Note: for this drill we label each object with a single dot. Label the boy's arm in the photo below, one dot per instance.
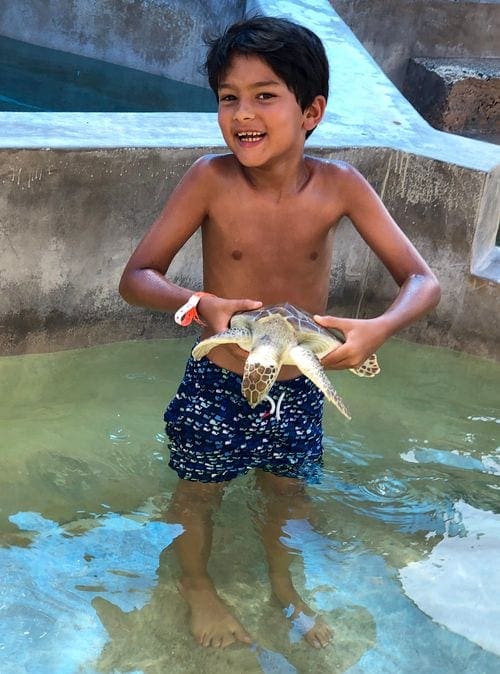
(143, 281)
(419, 290)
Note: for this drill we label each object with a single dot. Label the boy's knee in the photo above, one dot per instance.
(277, 485)
(199, 495)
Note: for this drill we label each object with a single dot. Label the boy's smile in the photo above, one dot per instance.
(260, 118)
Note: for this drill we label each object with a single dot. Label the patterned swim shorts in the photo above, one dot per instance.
(215, 435)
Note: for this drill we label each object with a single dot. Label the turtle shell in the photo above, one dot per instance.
(301, 321)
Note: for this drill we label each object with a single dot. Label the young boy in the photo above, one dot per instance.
(268, 214)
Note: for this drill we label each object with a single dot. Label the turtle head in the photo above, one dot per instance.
(271, 336)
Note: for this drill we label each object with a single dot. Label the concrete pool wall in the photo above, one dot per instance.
(161, 37)
(395, 30)
(78, 191)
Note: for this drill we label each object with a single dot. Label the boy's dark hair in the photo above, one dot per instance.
(294, 52)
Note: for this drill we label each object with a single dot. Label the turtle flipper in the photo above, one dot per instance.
(261, 370)
(308, 363)
(367, 369)
(240, 336)
(257, 382)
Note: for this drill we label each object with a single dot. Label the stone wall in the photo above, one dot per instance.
(457, 95)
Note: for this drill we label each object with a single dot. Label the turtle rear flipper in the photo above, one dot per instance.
(240, 336)
(308, 363)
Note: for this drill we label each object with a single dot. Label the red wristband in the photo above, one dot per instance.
(189, 311)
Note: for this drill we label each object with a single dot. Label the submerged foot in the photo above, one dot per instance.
(212, 623)
(304, 621)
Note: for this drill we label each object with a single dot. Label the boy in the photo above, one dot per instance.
(268, 214)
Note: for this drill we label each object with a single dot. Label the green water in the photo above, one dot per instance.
(403, 562)
(37, 79)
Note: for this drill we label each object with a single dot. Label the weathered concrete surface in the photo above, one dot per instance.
(71, 215)
(427, 200)
(395, 30)
(455, 95)
(162, 37)
(70, 219)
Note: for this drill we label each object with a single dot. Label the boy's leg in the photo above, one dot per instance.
(285, 499)
(192, 506)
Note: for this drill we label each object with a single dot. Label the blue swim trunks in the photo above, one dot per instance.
(214, 434)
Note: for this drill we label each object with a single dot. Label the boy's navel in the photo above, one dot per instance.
(313, 255)
(236, 254)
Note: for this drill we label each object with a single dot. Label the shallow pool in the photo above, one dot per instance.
(37, 79)
(403, 563)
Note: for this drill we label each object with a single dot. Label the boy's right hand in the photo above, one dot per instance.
(216, 312)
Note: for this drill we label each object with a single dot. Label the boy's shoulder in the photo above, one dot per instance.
(334, 175)
(208, 172)
(215, 164)
(330, 168)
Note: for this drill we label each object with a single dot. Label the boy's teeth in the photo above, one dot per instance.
(250, 135)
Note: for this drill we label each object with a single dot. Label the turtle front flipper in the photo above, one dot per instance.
(367, 369)
(240, 336)
(308, 363)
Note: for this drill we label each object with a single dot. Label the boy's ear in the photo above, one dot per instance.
(313, 114)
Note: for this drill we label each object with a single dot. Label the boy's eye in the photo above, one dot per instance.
(227, 98)
(264, 96)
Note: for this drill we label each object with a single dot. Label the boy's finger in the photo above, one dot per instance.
(247, 305)
(330, 321)
(335, 359)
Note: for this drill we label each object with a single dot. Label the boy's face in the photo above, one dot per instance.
(260, 118)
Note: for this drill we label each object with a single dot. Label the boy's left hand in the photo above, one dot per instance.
(362, 338)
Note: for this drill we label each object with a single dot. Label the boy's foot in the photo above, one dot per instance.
(302, 618)
(212, 624)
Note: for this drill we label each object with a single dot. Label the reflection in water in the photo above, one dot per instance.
(401, 560)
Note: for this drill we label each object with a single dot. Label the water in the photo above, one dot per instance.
(37, 79)
(403, 563)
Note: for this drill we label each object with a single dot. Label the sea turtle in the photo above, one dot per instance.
(278, 335)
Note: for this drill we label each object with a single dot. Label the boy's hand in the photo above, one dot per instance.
(362, 338)
(217, 312)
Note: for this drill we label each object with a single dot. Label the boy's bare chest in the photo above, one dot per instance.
(267, 231)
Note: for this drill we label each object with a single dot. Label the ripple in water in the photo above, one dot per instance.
(392, 500)
(141, 376)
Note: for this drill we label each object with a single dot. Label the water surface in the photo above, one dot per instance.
(403, 562)
(37, 79)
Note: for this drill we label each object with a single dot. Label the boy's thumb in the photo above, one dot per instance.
(249, 305)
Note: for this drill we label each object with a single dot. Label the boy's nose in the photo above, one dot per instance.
(243, 112)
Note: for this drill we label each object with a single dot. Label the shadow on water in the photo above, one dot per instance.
(401, 562)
